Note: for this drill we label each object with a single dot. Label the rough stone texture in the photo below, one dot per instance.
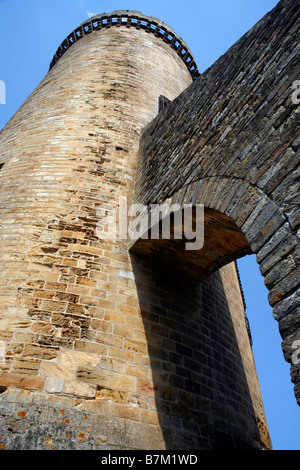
(231, 142)
(195, 388)
(105, 347)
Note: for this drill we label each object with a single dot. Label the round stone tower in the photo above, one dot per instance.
(101, 348)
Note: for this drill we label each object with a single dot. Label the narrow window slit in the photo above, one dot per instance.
(162, 103)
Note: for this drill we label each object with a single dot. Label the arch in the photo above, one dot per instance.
(241, 219)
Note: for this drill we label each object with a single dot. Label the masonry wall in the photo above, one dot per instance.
(100, 348)
(236, 141)
(190, 378)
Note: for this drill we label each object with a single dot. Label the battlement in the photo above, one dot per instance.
(129, 18)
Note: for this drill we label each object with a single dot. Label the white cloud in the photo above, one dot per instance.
(90, 14)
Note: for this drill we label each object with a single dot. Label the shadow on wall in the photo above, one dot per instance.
(199, 384)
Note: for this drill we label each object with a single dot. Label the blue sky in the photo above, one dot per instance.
(30, 33)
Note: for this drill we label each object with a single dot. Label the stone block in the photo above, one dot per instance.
(280, 244)
(19, 325)
(26, 366)
(123, 382)
(107, 394)
(54, 385)
(78, 357)
(99, 377)
(79, 389)
(91, 347)
(147, 387)
(135, 346)
(281, 290)
(289, 323)
(42, 352)
(151, 417)
(44, 328)
(286, 305)
(113, 364)
(124, 411)
(53, 369)
(21, 381)
(280, 270)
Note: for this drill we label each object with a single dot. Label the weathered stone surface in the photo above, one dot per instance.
(94, 376)
(21, 381)
(113, 395)
(289, 346)
(286, 305)
(237, 124)
(290, 322)
(53, 369)
(79, 389)
(42, 352)
(26, 366)
(67, 356)
(146, 348)
(54, 385)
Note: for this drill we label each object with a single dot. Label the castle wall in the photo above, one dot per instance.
(102, 349)
(240, 123)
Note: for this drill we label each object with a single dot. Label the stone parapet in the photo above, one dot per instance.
(128, 18)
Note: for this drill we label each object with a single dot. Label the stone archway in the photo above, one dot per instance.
(239, 219)
(231, 141)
